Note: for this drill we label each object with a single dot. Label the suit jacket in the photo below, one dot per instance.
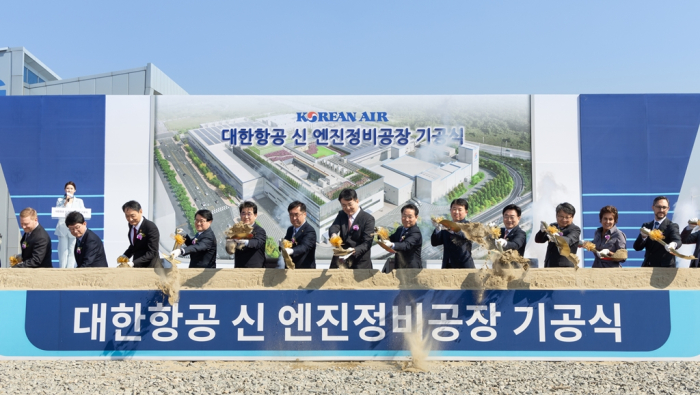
(144, 250)
(92, 251)
(408, 248)
(304, 255)
(37, 249)
(571, 233)
(253, 255)
(360, 239)
(655, 254)
(202, 252)
(616, 240)
(516, 240)
(61, 228)
(457, 248)
(692, 238)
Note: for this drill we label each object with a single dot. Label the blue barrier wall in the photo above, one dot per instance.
(48, 141)
(633, 148)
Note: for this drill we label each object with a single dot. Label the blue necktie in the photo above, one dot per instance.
(656, 225)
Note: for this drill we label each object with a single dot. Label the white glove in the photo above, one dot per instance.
(501, 242)
(693, 221)
(387, 243)
(349, 254)
(604, 252)
(543, 228)
(289, 251)
(644, 232)
(492, 224)
(670, 247)
(179, 231)
(333, 235)
(243, 242)
(580, 243)
(175, 253)
(440, 227)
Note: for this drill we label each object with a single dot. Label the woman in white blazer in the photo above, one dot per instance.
(66, 241)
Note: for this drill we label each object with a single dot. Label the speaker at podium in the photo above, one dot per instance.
(66, 242)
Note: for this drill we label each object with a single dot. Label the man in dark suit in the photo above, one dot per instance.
(143, 237)
(201, 248)
(656, 255)
(303, 237)
(251, 252)
(457, 248)
(512, 237)
(690, 237)
(407, 240)
(89, 250)
(356, 228)
(570, 232)
(36, 243)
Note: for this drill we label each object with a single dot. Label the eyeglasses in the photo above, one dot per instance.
(662, 207)
(200, 221)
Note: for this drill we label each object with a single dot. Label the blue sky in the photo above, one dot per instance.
(372, 47)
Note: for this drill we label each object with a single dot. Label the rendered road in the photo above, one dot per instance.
(505, 151)
(200, 190)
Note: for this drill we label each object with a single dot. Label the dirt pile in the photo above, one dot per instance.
(468, 279)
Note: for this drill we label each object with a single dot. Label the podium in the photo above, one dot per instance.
(61, 212)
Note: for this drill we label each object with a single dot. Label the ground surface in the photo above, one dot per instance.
(213, 377)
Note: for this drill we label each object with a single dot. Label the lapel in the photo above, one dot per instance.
(141, 230)
(300, 232)
(79, 243)
(510, 234)
(357, 220)
(663, 225)
(398, 233)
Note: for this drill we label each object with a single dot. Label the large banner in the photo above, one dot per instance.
(214, 151)
(177, 154)
(318, 324)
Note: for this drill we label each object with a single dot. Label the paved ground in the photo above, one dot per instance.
(213, 377)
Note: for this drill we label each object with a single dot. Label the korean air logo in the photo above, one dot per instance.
(367, 116)
(2, 88)
(311, 116)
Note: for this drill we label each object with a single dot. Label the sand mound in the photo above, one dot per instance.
(471, 279)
